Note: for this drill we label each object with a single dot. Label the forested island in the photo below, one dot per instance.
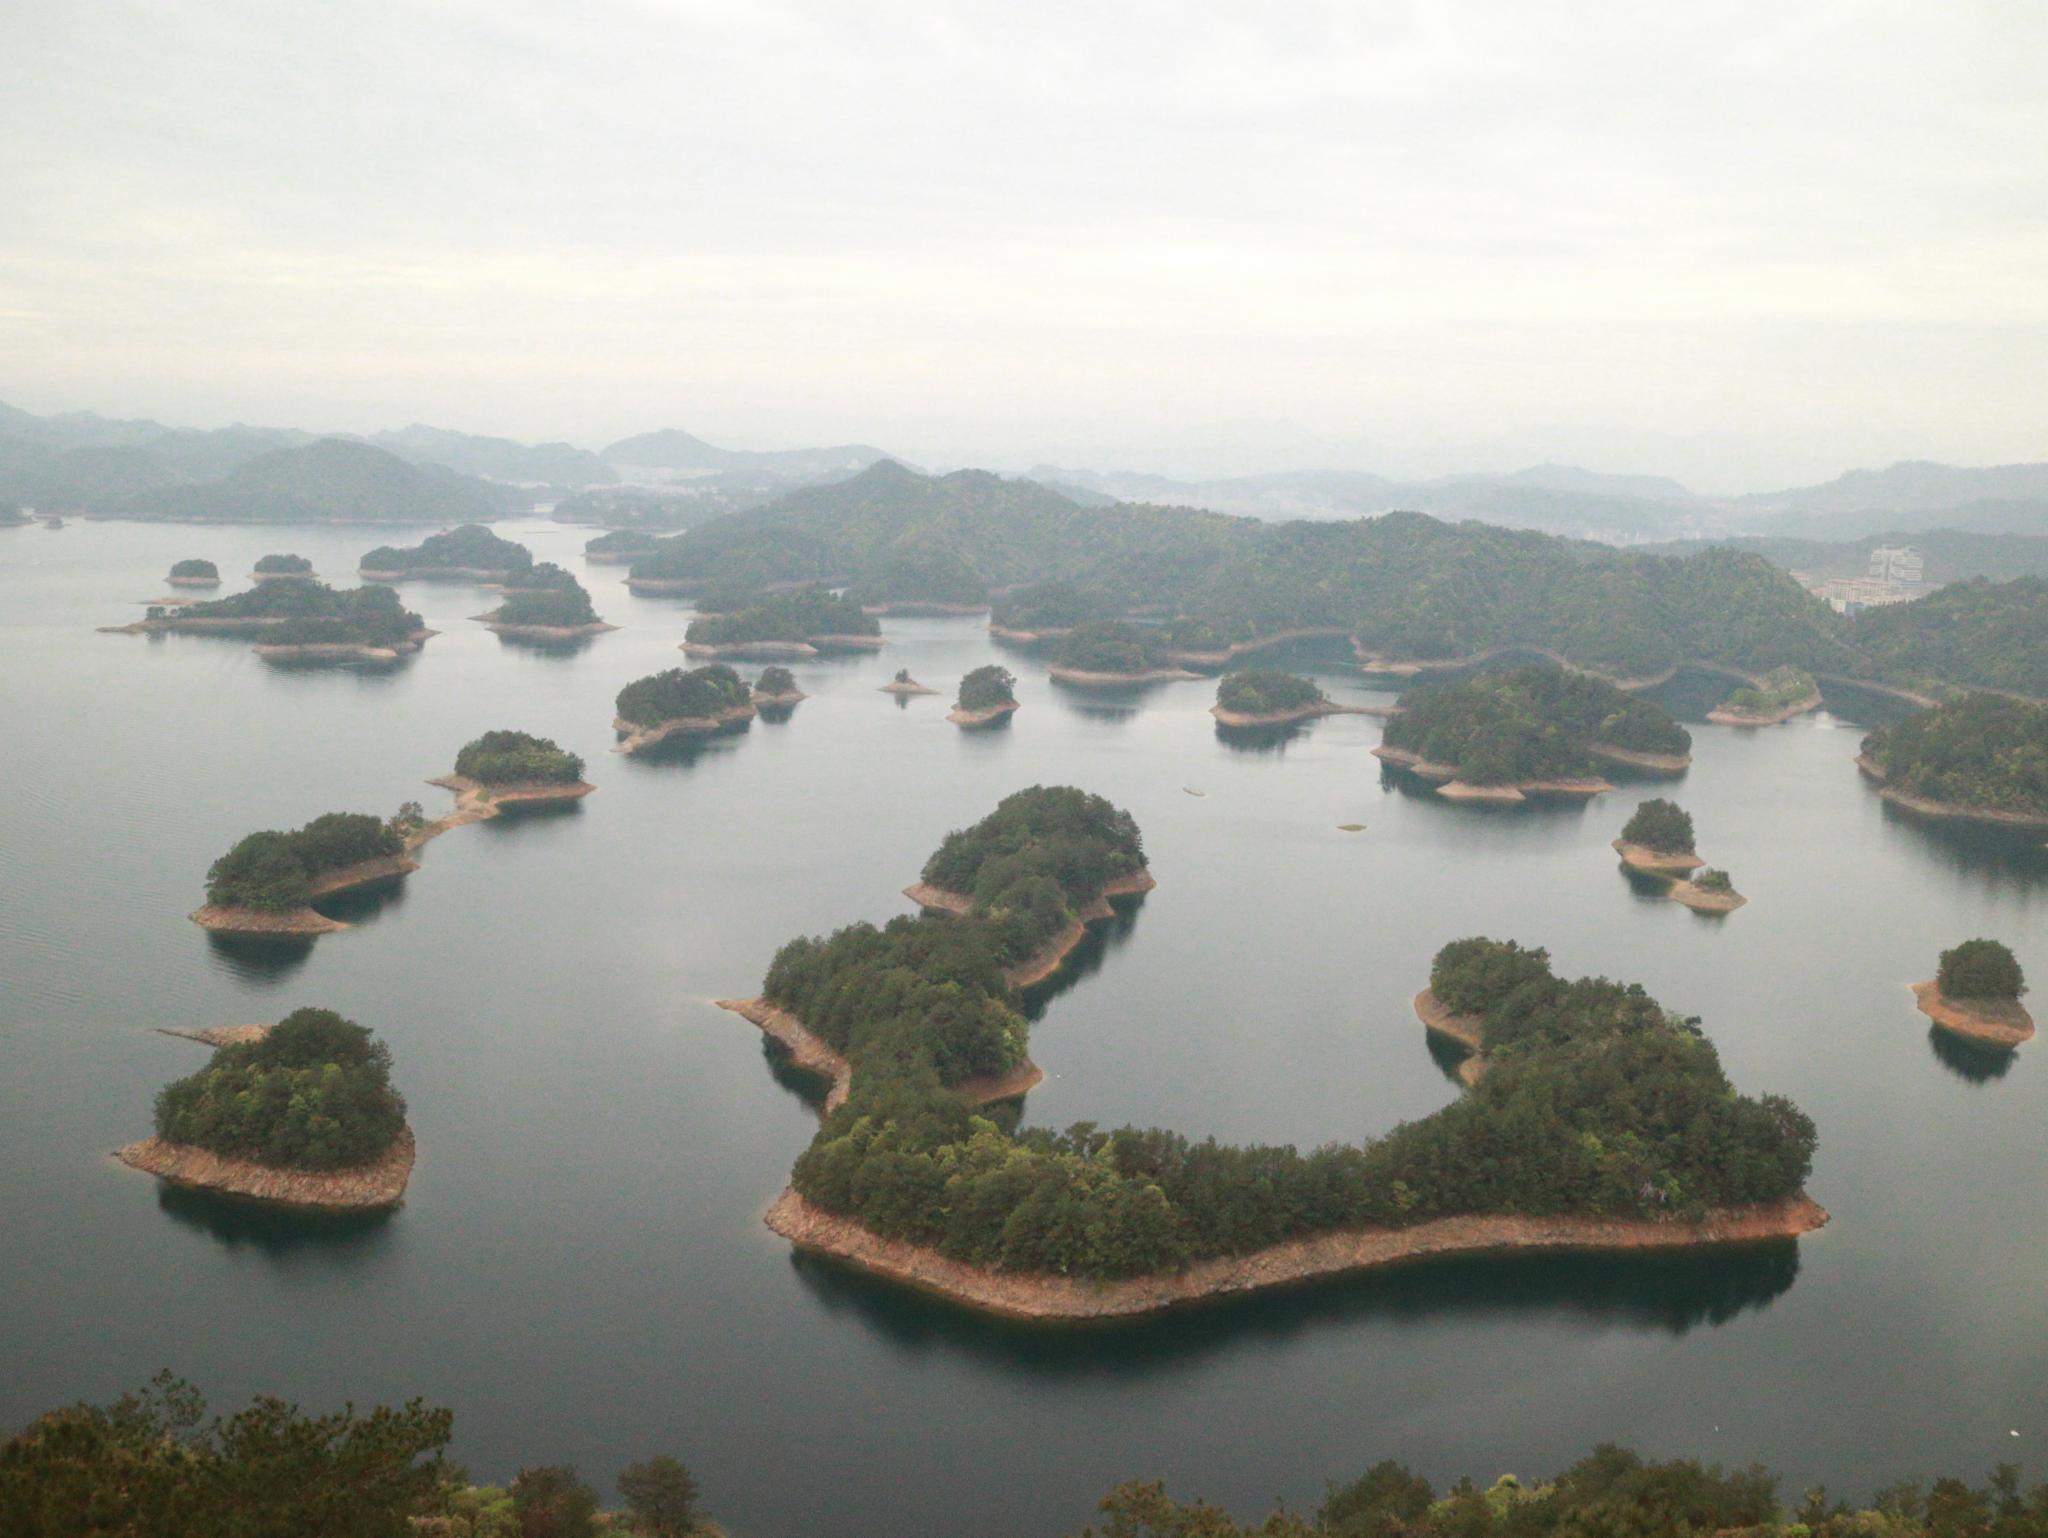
(266, 883)
(1658, 840)
(673, 701)
(1777, 696)
(1502, 736)
(987, 695)
(1112, 653)
(299, 620)
(1604, 1121)
(304, 1115)
(193, 572)
(1982, 759)
(620, 547)
(282, 568)
(794, 624)
(1975, 993)
(555, 608)
(471, 553)
(1711, 890)
(1258, 697)
(507, 771)
(776, 687)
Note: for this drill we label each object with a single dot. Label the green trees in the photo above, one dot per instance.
(674, 694)
(1713, 879)
(472, 547)
(799, 616)
(1780, 687)
(660, 1496)
(517, 758)
(775, 681)
(553, 1501)
(1660, 826)
(273, 872)
(314, 1093)
(988, 688)
(619, 543)
(1980, 969)
(920, 571)
(1474, 976)
(1985, 751)
(560, 604)
(538, 577)
(1109, 646)
(1262, 692)
(282, 565)
(1527, 724)
(313, 612)
(1982, 635)
(149, 1465)
(193, 567)
(1048, 606)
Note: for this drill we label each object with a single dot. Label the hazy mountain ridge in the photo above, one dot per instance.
(498, 459)
(673, 450)
(330, 480)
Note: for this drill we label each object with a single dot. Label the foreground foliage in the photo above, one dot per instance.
(1535, 723)
(314, 1093)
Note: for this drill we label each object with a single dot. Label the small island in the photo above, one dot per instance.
(1658, 840)
(904, 686)
(1776, 697)
(283, 568)
(1043, 611)
(987, 695)
(299, 1114)
(1264, 698)
(1978, 760)
(794, 624)
(266, 884)
(1975, 993)
(1710, 891)
(506, 771)
(298, 621)
(1111, 654)
(193, 572)
(620, 547)
(471, 553)
(776, 689)
(1532, 731)
(672, 702)
(556, 609)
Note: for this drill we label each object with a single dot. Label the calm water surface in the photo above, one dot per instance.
(579, 1268)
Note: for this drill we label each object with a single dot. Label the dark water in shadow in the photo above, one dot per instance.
(579, 1268)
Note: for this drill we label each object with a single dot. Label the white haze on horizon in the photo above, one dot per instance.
(1745, 244)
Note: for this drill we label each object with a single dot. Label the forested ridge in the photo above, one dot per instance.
(1598, 1100)
(1408, 586)
(470, 547)
(799, 616)
(1986, 751)
(1536, 723)
(311, 612)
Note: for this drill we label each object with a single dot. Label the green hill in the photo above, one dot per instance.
(331, 481)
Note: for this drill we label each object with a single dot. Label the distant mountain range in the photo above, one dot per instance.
(673, 454)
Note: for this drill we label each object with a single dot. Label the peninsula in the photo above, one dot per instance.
(1110, 654)
(1527, 732)
(1634, 1139)
(1044, 611)
(798, 624)
(471, 553)
(1257, 698)
(1977, 760)
(672, 702)
(193, 572)
(1775, 698)
(987, 695)
(299, 1114)
(1975, 994)
(506, 771)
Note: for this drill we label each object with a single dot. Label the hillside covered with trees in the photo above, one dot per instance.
(676, 694)
(803, 616)
(468, 550)
(1537, 723)
(274, 872)
(1985, 751)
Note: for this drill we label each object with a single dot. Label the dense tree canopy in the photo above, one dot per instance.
(1661, 826)
(775, 679)
(988, 687)
(1110, 646)
(675, 694)
(803, 615)
(633, 542)
(273, 872)
(1984, 751)
(1979, 635)
(919, 572)
(313, 612)
(470, 547)
(1263, 692)
(517, 758)
(314, 1093)
(1772, 692)
(1980, 969)
(1048, 606)
(1527, 724)
(560, 606)
(542, 575)
(282, 565)
(192, 566)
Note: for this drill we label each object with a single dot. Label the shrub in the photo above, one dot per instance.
(1713, 879)
(775, 680)
(987, 688)
(1980, 969)
(1660, 826)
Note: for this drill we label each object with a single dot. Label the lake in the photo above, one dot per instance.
(579, 1268)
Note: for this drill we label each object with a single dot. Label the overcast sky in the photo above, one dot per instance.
(1745, 244)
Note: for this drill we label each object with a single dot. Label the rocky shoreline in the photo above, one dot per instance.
(1721, 715)
(258, 923)
(545, 632)
(1240, 720)
(1037, 968)
(987, 716)
(1062, 1299)
(436, 574)
(813, 1055)
(365, 1188)
(1084, 678)
(906, 687)
(1467, 1031)
(1992, 1023)
(1700, 900)
(932, 607)
(1946, 811)
(1649, 763)
(1652, 862)
(1447, 784)
(638, 739)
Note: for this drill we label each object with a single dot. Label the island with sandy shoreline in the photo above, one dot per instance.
(470, 553)
(193, 572)
(776, 689)
(556, 608)
(679, 702)
(802, 623)
(1975, 994)
(987, 697)
(1771, 700)
(265, 885)
(1112, 654)
(298, 621)
(1091, 1225)
(254, 1125)
(1257, 699)
(904, 686)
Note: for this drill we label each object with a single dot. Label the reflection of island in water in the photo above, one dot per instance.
(1967, 1059)
(260, 959)
(1259, 739)
(275, 1229)
(1671, 1291)
(686, 748)
(2010, 856)
(1101, 936)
